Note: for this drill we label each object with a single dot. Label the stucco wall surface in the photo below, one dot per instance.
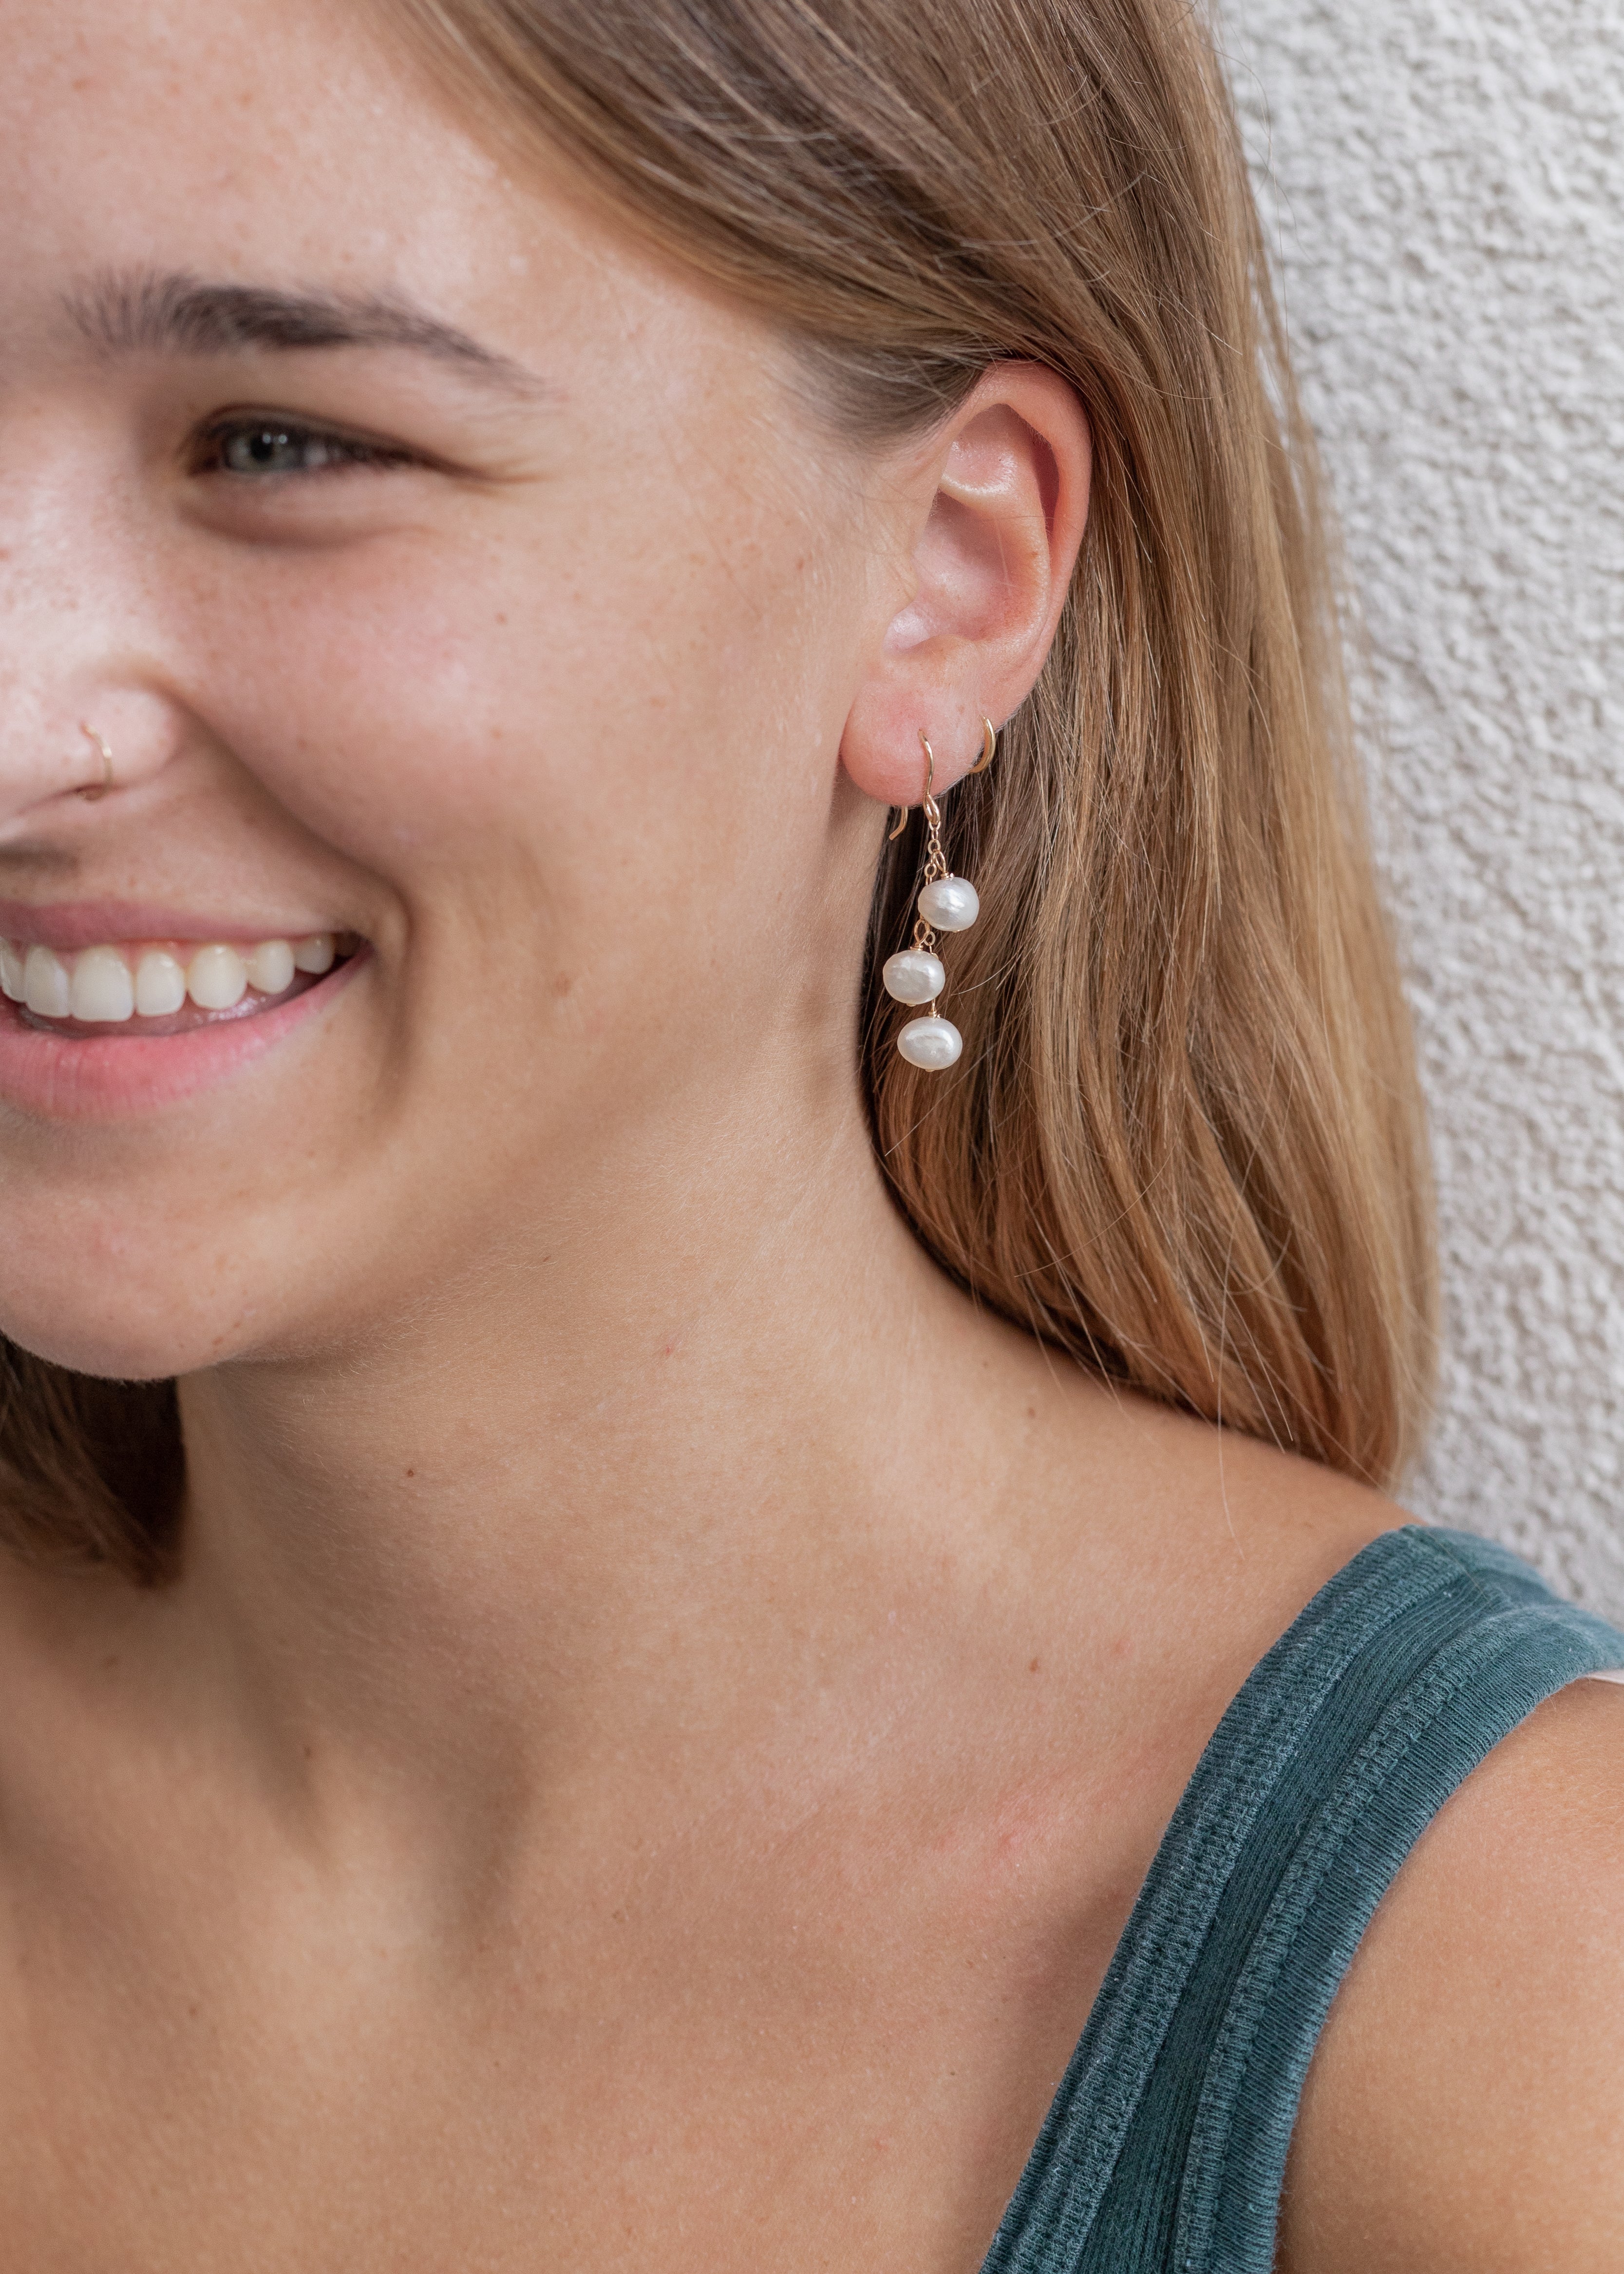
(1443, 181)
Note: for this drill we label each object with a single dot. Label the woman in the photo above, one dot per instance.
(615, 1584)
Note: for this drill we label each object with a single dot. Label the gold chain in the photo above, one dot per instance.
(936, 868)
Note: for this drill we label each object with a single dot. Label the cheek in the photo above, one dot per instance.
(385, 696)
(594, 708)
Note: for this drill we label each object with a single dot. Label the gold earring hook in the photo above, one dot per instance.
(989, 743)
(93, 790)
(928, 800)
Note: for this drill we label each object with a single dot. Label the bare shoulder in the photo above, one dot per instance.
(1208, 1542)
(1465, 2107)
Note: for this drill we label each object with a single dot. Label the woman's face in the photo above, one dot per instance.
(441, 574)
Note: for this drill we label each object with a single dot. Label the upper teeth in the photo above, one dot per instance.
(111, 983)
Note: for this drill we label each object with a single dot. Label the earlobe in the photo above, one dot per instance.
(989, 743)
(998, 504)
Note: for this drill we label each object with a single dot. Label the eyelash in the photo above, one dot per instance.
(321, 451)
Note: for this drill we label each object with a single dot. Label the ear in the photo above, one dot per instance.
(993, 512)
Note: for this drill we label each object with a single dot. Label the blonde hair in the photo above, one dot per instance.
(1185, 1143)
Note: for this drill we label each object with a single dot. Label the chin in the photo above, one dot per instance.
(128, 1306)
(116, 1342)
(185, 1261)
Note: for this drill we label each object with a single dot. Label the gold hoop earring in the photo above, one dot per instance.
(916, 975)
(93, 790)
(989, 743)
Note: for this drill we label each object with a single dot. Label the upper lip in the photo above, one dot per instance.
(69, 925)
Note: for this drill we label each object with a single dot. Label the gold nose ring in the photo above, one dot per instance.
(98, 788)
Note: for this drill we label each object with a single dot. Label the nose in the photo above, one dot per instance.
(57, 762)
(84, 711)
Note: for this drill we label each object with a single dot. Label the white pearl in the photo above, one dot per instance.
(913, 976)
(932, 1043)
(950, 904)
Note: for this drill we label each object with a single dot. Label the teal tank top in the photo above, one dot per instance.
(1165, 2148)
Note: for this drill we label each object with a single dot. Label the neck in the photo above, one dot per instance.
(680, 1468)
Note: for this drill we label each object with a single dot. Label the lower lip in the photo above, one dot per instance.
(58, 1079)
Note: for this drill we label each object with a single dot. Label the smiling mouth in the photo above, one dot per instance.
(154, 987)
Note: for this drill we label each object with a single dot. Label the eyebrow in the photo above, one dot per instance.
(150, 311)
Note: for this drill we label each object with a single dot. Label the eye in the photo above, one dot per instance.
(259, 446)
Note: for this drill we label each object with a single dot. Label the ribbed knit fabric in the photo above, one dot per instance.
(1165, 2148)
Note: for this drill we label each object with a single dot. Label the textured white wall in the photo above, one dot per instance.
(1443, 181)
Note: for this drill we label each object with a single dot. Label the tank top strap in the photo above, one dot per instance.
(1165, 2147)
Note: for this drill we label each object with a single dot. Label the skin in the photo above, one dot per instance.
(667, 1707)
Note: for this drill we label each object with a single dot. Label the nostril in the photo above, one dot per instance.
(96, 738)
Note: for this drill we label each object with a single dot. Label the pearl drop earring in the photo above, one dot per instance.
(946, 903)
